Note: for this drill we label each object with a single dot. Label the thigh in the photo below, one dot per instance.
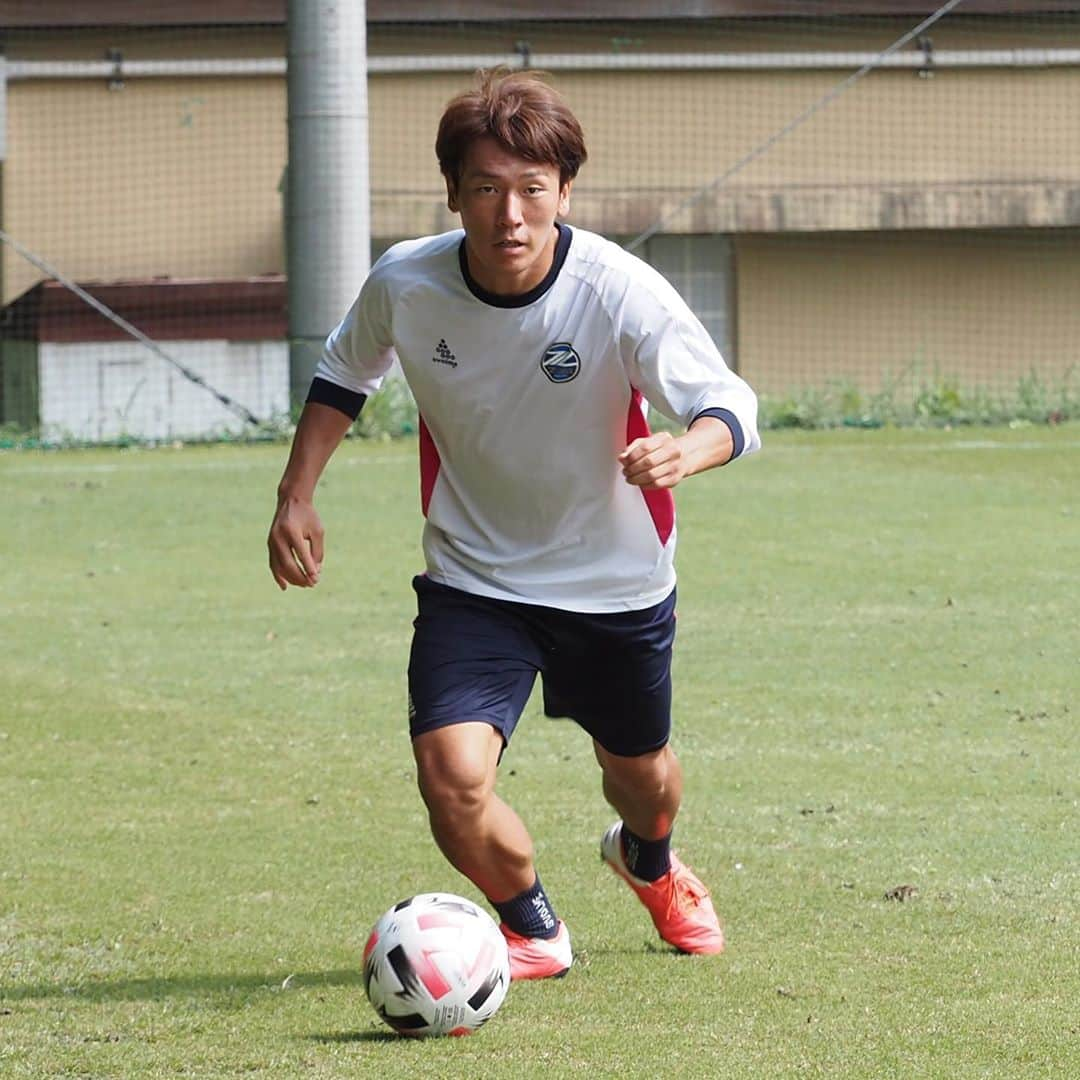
(612, 675)
(472, 659)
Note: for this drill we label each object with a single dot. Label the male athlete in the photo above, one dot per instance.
(531, 349)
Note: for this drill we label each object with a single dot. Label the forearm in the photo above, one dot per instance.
(318, 434)
(706, 444)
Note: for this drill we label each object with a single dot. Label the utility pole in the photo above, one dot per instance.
(327, 189)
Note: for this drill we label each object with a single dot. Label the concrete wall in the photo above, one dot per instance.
(901, 308)
(109, 390)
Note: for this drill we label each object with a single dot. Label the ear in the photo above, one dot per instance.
(564, 198)
(451, 195)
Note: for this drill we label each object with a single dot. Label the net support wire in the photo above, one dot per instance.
(234, 406)
(763, 148)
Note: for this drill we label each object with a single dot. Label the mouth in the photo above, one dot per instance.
(510, 245)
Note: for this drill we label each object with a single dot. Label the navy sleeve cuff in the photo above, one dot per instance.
(337, 397)
(732, 421)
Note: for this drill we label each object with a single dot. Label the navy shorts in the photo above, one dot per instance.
(476, 658)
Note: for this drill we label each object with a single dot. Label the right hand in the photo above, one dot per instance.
(296, 544)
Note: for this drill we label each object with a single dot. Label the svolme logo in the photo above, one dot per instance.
(443, 355)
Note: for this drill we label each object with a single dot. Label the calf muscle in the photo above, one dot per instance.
(479, 834)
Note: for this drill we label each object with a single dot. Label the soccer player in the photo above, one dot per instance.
(532, 349)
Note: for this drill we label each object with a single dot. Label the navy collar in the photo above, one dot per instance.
(562, 247)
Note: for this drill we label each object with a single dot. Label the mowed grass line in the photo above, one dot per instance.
(206, 793)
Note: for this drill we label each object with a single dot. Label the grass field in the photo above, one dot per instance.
(207, 797)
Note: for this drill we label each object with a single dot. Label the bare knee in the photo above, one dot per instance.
(455, 769)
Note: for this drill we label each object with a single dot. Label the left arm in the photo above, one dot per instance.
(663, 460)
(672, 363)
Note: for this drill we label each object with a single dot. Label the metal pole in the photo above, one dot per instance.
(327, 190)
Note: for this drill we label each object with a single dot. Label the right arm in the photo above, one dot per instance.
(358, 353)
(296, 533)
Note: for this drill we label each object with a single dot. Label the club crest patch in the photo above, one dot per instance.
(560, 363)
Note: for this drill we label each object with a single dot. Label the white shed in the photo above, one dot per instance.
(73, 375)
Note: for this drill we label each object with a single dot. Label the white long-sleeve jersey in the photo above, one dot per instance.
(525, 404)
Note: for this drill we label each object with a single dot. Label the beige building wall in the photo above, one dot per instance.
(905, 309)
(182, 177)
(165, 177)
(655, 138)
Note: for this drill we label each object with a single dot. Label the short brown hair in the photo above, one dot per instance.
(522, 113)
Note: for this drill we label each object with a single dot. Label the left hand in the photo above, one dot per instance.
(663, 460)
(655, 461)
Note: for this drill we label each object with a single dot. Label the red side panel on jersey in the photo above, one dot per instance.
(430, 463)
(661, 502)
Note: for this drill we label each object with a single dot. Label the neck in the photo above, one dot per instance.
(512, 284)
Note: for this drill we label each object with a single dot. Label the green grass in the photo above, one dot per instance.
(206, 785)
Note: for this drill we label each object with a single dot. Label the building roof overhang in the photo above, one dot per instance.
(15, 14)
(166, 309)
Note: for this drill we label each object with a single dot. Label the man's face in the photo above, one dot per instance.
(508, 207)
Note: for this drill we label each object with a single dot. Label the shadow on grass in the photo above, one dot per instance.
(358, 1037)
(151, 989)
(648, 948)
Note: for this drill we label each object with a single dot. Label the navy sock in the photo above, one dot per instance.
(646, 859)
(530, 913)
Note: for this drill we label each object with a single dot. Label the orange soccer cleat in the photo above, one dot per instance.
(538, 958)
(679, 904)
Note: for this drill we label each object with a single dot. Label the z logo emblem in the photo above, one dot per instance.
(560, 363)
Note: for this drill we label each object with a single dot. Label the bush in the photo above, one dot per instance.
(940, 401)
(927, 402)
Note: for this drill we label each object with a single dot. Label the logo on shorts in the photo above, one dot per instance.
(560, 363)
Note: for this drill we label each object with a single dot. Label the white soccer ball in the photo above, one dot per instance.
(436, 964)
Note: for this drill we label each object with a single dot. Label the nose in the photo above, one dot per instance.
(510, 209)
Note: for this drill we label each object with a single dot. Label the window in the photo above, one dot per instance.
(701, 268)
